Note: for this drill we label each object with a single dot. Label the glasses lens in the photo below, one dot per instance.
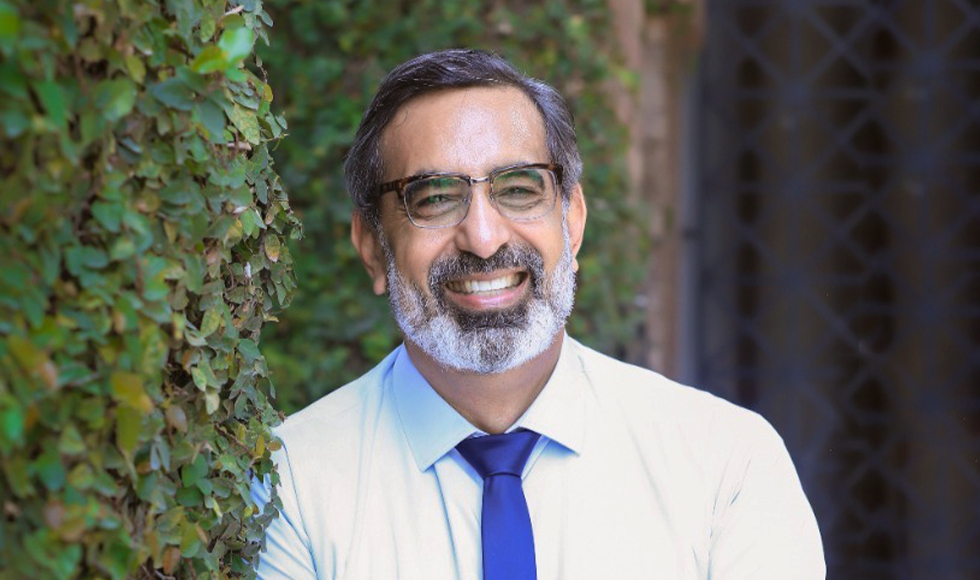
(525, 193)
(436, 201)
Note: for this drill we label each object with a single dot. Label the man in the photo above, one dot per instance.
(490, 444)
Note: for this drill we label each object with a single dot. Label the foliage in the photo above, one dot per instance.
(326, 61)
(143, 239)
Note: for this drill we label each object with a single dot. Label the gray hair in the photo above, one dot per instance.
(446, 69)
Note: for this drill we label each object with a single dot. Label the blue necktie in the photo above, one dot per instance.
(508, 544)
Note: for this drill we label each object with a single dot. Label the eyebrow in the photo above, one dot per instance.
(427, 171)
(433, 171)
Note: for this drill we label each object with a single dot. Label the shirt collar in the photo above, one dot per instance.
(559, 411)
(433, 427)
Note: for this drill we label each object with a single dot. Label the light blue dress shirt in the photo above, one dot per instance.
(634, 477)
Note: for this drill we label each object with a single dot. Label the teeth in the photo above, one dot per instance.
(473, 286)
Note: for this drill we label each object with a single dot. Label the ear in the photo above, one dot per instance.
(368, 247)
(575, 219)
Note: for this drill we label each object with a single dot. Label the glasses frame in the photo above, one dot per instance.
(398, 186)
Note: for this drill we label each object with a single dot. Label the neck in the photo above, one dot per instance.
(492, 403)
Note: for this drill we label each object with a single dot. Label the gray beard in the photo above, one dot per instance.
(484, 342)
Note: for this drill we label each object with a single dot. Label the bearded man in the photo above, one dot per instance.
(491, 444)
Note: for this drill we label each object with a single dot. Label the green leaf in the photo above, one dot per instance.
(108, 214)
(56, 560)
(15, 468)
(194, 338)
(236, 75)
(211, 401)
(81, 476)
(160, 455)
(51, 470)
(200, 380)
(190, 538)
(128, 424)
(14, 123)
(117, 560)
(135, 68)
(127, 389)
(79, 257)
(249, 350)
(192, 472)
(194, 272)
(246, 122)
(187, 15)
(212, 319)
(25, 353)
(272, 247)
(181, 192)
(188, 497)
(207, 27)
(262, 191)
(155, 270)
(237, 44)
(204, 366)
(71, 442)
(176, 417)
(234, 232)
(234, 20)
(52, 98)
(122, 249)
(212, 117)
(240, 197)
(206, 488)
(211, 59)
(12, 81)
(174, 93)
(9, 23)
(251, 222)
(11, 423)
(116, 98)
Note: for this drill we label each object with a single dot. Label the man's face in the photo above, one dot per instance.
(490, 293)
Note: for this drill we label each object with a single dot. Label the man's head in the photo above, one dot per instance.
(488, 285)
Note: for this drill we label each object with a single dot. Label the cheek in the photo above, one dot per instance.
(548, 239)
(416, 256)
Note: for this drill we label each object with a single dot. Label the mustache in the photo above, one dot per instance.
(465, 264)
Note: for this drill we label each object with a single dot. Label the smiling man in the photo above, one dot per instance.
(491, 444)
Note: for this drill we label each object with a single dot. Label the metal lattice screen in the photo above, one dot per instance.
(839, 263)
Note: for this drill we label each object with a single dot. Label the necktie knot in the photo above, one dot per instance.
(503, 454)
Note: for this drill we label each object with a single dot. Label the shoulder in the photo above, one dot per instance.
(644, 399)
(323, 424)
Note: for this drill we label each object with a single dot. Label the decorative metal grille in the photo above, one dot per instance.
(839, 263)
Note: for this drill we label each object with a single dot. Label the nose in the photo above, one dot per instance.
(484, 230)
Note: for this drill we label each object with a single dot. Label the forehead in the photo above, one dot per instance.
(471, 130)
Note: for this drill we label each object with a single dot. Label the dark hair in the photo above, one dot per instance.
(448, 69)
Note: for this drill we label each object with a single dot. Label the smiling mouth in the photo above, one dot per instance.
(486, 286)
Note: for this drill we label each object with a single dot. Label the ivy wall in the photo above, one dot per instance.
(143, 245)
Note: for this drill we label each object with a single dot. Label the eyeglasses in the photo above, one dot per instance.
(441, 200)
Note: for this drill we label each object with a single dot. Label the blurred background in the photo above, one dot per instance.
(784, 210)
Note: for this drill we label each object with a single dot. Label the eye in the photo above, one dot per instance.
(434, 199)
(520, 200)
(434, 196)
(524, 192)
(517, 191)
